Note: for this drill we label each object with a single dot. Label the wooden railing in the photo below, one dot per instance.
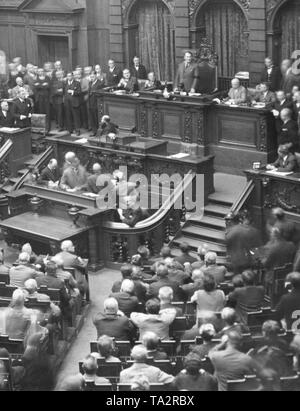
(4, 166)
(224, 83)
(121, 241)
(37, 166)
(243, 198)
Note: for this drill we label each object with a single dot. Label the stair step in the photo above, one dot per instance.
(215, 198)
(220, 249)
(8, 188)
(14, 180)
(217, 210)
(22, 171)
(33, 160)
(192, 230)
(208, 221)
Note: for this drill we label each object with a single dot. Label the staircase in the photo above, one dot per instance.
(11, 182)
(211, 228)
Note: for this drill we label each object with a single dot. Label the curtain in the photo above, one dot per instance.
(226, 28)
(290, 27)
(156, 38)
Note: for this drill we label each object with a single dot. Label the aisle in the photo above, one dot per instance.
(100, 285)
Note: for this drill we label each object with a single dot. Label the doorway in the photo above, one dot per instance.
(53, 48)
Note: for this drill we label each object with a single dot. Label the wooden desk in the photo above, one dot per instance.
(236, 136)
(51, 224)
(141, 163)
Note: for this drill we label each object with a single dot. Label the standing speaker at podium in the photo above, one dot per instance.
(187, 76)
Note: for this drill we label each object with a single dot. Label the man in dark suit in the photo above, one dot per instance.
(281, 103)
(286, 161)
(50, 173)
(265, 95)
(42, 87)
(22, 110)
(187, 76)
(106, 127)
(289, 130)
(113, 75)
(6, 116)
(57, 97)
(72, 95)
(128, 302)
(272, 75)
(112, 323)
(138, 70)
(164, 281)
(296, 108)
(94, 86)
(91, 185)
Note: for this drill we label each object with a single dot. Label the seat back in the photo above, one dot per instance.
(53, 294)
(4, 278)
(38, 123)
(6, 291)
(91, 386)
(153, 387)
(250, 383)
(13, 346)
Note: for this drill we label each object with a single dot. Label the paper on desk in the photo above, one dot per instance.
(8, 129)
(179, 155)
(81, 141)
(280, 173)
(91, 195)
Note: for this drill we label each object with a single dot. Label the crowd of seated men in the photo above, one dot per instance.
(40, 297)
(183, 322)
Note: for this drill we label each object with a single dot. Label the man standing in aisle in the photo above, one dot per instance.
(72, 104)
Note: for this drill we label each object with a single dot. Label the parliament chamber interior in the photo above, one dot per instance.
(149, 195)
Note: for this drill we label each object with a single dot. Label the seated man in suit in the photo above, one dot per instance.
(133, 213)
(286, 161)
(107, 126)
(6, 116)
(187, 77)
(127, 301)
(50, 173)
(22, 110)
(113, 323)
(152, 83)
(75, 177)
(265, 95)
(22, 272)
(91, 185)
(237, 94)
(138, 70)
(289, 131)
(128, 83)
(212, 268)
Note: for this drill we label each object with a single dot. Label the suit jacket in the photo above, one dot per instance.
(289, 81)
(286, 165)
(20, 274)
(296, 113)
(22, 108)
(113, 78)
(275, 78)
(74, 99)
(165, 282)
(56, 284)
(131, 86)
(42, 88)
(247, 299)
(140, 74)
(7, 121)
(57, 91)
(218, 272)
(269, 98)
(114, 326)
(238, 95)
(74, 179)
(49, 175)
(289, 133)
(279, 253)
(93, 88)
(127, 303)
(188, 77)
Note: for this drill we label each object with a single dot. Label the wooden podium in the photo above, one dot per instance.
(21, 151)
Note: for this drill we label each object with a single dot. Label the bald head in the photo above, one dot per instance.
(24, 258)
(67, 246)
(70, 157)
(286, 114)
(97, 168)
(18, 298)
